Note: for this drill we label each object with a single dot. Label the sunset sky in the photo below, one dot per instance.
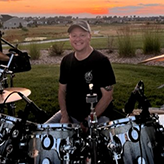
(90, 8)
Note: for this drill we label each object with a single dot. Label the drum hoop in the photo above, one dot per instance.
(8, 119)
(115, 123)
(60, 126)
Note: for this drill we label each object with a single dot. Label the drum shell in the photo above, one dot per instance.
(131, 150)
(59, 133)
(12, 147)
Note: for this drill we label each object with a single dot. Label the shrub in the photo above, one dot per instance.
(151, 41)
(24, 29)
(125, 42)
(57, 49)
(110, 44)
(34, 51)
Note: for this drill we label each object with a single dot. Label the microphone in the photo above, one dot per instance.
(30, 102)
(129, 106)
(39, 113)
(139, 89)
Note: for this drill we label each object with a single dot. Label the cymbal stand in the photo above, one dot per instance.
(4, 70)
(0, 41)
(92, 122)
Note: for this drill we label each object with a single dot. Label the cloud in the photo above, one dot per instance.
(124, 10)
(108, 1)
(140, 9)
(10, 0)
(151, 4)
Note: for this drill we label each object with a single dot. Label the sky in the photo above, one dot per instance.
(82, 8)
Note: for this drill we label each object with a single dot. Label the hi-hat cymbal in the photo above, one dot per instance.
(12, 94)
(156, 58)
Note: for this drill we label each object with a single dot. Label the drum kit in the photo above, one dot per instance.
(135, 139)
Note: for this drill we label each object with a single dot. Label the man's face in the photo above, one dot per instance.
(79, 39)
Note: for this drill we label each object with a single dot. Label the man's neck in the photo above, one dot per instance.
(81, 55)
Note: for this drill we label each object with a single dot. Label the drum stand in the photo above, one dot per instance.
(92, 122)
(93, 137)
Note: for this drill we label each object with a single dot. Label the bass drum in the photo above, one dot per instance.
(127, 142)
(54, 144)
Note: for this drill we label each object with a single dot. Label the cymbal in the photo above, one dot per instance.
(151, 110)
(156, 58)
(12, 94)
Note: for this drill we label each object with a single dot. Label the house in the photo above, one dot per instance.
(14, 23)
(4, 17)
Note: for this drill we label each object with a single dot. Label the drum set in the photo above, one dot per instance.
(136, 139)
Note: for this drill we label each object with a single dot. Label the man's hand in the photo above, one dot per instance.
(84, 126)
(65, 120)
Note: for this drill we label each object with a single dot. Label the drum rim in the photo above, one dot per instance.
(8, 118)
(57, 126)
(116, 122)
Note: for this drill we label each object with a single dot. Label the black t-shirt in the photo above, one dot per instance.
(95, 69)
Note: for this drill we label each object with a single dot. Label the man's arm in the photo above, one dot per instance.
(107, 97)
(62, 103)
(3, 57)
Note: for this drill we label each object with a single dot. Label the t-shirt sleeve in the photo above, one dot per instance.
(106, 73)
(63, 76)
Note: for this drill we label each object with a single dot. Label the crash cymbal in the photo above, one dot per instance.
(156, 58)
(151, 110)
(12, 94)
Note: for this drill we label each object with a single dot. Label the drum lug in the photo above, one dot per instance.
(47, 142)
(134, 134)
(46, 161)
(115, 147)
(15, 133)
(57, 147)
(9, 149)
(66, 149)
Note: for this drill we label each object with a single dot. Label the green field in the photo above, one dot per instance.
(102, 35)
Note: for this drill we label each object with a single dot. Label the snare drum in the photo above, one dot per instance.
(127, 141)
(52, 143)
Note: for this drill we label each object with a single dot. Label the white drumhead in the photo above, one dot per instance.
(161, 119)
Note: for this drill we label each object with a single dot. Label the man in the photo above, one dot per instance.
(78, 70)
(3, 57)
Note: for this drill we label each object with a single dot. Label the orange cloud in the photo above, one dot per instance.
(58, 7)
(96, 7)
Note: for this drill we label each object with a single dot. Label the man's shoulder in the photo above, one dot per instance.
(99, 55)
(68, 56)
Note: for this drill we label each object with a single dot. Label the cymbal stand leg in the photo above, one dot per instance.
(11, 109)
